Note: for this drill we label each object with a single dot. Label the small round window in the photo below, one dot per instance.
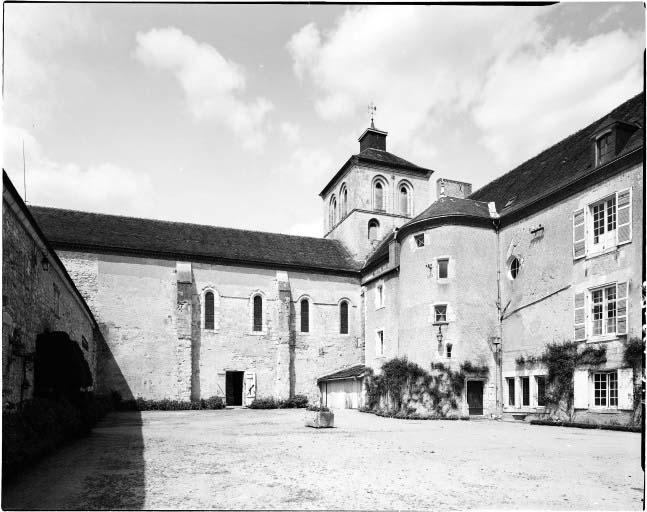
(515, 266)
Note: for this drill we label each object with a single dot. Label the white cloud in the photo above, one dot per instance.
(212, 84)
(290, 132)
(535, 99)
(492, 67)
(102, 188)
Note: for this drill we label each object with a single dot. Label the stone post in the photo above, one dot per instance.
(284, 376)
(183, 323)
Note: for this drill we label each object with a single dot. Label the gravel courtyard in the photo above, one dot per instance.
(240, 458)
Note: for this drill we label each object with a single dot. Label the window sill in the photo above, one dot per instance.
(442, 280)
(605, 338)
(258, 333)
(604, 410)
(440, 323)
(592, 255)
(379, 307)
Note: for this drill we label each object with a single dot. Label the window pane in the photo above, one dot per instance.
(305, 316)
(441, 313)
(598, 221)
(258, 313)
(420, 240)
(510, 390)
(600, 389)
(442, 268)
(343, 318)
(610, 293)
(541, 391)
(208, 311)
(613, 389)
(525, 390)
(596, 311)
(611, 214)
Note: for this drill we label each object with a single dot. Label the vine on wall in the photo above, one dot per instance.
(404, 388)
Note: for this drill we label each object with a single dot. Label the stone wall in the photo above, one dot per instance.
(154, 325)
(36, 298)
(539, 302)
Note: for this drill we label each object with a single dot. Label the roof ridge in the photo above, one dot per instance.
(172, 222)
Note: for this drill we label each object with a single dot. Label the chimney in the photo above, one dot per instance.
(372, 138)
(451, 188)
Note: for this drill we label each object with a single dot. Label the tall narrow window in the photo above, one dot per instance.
(305, 315)
(404, 201)
(379, 196)
(333, 212)
(510, 381)
(448, 349)
(258, 313)
(541, 390)
(379, 296)
(208, 311)
(379, 343)
(343, 317)
(344, 202)
(525, 390)
(373, 229)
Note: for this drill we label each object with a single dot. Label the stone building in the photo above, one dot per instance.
(38, 296)
(547, 253)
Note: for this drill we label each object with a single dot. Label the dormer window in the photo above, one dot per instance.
(603, 149)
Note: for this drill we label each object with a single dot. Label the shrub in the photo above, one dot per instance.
(296, 402)
(139, 404)
(212, 403)
(264, 403)
(634, 351)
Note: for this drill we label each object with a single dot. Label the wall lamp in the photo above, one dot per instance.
(439, 335)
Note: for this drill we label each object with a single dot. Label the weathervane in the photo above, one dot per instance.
(371, 112)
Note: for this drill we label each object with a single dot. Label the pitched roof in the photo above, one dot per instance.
(562, 163)
(112, 233)
(453, 207)
(381, 158)
(379, 251)
(347, 373)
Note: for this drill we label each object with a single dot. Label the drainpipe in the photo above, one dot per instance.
(498, 348)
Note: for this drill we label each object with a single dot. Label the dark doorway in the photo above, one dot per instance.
(475, 397)
(234, 385)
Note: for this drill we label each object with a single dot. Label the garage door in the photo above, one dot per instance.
(342, 394)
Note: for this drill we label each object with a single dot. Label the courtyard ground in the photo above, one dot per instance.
(238, 458)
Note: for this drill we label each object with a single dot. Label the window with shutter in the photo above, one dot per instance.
(624, 216)
(579, 237)
(581, 389)
(579, 321)
(621, 307)
(625, 388)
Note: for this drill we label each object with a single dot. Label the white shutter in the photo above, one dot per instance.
(579, 317)
(622, 307)
(623, 229)
(581, 389)
(579, 244)
(625, 388)
(249, 383)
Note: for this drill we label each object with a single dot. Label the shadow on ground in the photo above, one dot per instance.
(104, 470)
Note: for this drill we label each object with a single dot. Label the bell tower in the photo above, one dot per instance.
(372, 193)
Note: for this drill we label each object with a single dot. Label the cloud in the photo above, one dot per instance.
(290, 132)
(34, 37)
(429, 68)
(535, 99)
(307, 166)
(103, 187)
(213, 85)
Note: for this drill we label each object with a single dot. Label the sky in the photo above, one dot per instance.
(238, 115)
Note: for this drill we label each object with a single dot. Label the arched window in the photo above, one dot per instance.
(373, 229)
(344, 202)
(343, 317)
(404, 200)
(379, 196)
(305, 315)
(209, 311)
(258, 313)
(333, 212)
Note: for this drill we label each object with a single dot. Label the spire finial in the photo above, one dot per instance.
(371, 112)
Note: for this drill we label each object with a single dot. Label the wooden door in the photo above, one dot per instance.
(475, 397)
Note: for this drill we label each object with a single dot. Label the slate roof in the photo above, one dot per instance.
(347, 373)
(377, 157)
(453, 206)
(560, 164)
(75, 229)
(380, 251)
